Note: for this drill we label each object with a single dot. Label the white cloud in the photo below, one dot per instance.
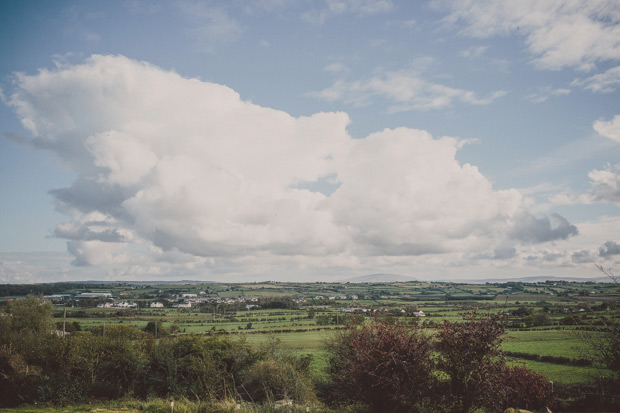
(605, 183)
(358, 7)
(178, 170)
(473, 52)
(605, 186)
(545, 93)
(558, 33)
(403, 193)
(605, 82)
(582, 257)
(609, 248)
(363, 7)
(528, 228)
(336, 68)
(608, 129)
(406, 89)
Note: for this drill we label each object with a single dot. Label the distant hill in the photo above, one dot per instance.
(379, 278)
(534, 279)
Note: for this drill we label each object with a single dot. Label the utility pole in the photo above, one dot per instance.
(64, 323)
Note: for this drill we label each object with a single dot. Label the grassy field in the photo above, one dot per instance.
(560, 343)
(553, 343)
(559, 373)
(312, 312)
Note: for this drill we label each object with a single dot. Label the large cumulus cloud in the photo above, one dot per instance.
(180, 169)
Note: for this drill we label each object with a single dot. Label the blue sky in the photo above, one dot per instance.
(308, 140)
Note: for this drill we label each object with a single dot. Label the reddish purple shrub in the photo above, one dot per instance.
(388, 367)
(526, 389)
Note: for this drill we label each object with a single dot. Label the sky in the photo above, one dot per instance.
(298, 140)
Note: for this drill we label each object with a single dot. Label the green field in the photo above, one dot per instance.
(546, 343)
(304, 315)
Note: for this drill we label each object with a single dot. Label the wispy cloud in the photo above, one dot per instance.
(606, 82)
(358, 7)
(473, 52)
(608, 129)
(405, 89)
(605, 186)
(544, 93)
(557, 33)
(336, 67)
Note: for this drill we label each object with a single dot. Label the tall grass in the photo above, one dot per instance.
(157, 405)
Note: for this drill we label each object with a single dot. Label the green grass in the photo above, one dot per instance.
(163, 406)
(560, 373)
(307, 340)
(561, 343)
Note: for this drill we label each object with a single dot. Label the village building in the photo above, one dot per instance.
(94, 295)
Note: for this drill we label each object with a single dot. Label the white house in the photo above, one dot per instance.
(183, 305)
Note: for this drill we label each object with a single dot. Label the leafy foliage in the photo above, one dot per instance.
(39, 365)
(397, 367)
(526, 388)
(470, 359)
(387, 366)
(604, 342)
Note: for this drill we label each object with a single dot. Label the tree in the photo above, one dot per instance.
(537, 319)
(277, 375)
(156, 328)
(387, 366)
(398, 367)
(526, 389)
(28, 348)
(197, 367)
(19, 317)
(470, 359)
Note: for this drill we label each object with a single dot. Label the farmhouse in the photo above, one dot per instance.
(182, 305)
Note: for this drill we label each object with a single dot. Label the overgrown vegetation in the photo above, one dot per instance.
(39, 365)
(393, 367)
(605, 347)
(384, 355)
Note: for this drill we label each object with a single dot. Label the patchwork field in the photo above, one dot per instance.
(540, 318)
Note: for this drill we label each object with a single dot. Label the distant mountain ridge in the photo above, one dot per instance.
(532, 279)
(378, 278)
